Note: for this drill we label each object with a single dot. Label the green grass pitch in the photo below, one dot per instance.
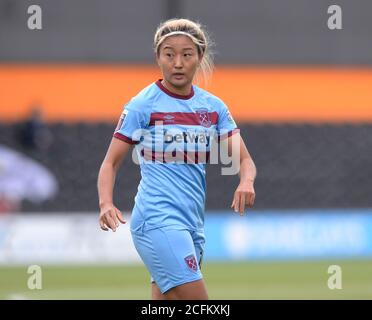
(243, 280)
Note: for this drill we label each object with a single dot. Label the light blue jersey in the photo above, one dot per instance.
(173, 135)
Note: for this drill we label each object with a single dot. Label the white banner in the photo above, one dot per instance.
(63, 239)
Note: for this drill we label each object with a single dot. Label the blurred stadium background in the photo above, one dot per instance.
(300, 92)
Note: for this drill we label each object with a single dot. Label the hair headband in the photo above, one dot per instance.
(178, 33)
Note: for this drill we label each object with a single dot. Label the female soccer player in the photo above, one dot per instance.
(172, 123)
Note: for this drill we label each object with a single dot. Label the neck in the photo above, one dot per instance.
(184, 91)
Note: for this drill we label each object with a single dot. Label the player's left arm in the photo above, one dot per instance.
(244, 194)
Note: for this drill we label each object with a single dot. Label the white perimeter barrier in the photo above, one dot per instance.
(63, 239)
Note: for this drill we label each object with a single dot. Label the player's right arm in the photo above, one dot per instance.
(110, 216)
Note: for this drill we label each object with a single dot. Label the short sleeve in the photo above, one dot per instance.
(131, 123)
(226, 125)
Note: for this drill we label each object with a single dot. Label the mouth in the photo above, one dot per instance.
(178, 75)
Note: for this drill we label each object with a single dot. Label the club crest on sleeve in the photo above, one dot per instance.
(191, 262)
(121, 120)
(204, 119)
(229, 117)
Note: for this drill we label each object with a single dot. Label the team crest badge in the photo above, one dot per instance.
(121, 120)
(204, 119)
(191, 262)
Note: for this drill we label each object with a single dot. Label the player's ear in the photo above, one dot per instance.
(156, 56)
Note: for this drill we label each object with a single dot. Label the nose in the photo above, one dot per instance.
(178, 62)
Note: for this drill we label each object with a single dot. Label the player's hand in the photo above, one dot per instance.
(244, 195)
(109, 217)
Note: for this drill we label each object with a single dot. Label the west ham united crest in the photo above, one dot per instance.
(191, 262)
(204, 119)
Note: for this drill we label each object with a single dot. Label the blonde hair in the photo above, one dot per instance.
(196, 33)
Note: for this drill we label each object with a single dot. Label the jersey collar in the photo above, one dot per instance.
(175, 95)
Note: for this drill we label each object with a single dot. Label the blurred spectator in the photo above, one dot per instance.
(34, 133)
(22, 178)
